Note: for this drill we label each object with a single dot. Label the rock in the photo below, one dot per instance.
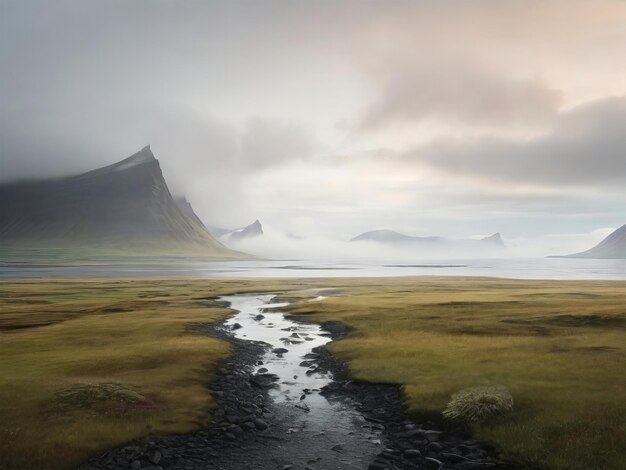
(262, 370)
(307, 363)
(259, 317)
(260, 424)
(432, 463)
(263, 380)
(434, 447)
(294, 335)
(288, 467)
(280, 351)
(154, 456)
(337, 448)
(136, 465)
(377, 466)
(236, 326)
(412, 453)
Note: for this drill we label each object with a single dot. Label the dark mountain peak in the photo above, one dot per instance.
(123, 206)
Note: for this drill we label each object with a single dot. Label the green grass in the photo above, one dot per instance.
(87, 365)
(559, 347)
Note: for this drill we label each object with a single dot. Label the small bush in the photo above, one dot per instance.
(478, 404)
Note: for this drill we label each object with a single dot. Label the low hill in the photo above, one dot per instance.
(612, 247)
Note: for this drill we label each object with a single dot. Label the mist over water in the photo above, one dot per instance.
(537, 268)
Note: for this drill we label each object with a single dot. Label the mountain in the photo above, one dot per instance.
(612, 247)
(390, 237)
(187, 210)
(494, 240)
(255, 229)
(123, 208)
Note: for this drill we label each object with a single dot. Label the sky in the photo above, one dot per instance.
(331, 118)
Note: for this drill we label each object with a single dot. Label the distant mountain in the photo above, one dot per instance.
(493, 240)
(612, 247)
(255, 229)
(390, 237)
(122, 208)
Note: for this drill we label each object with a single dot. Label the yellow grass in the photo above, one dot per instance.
(559, 347)
(57, 334)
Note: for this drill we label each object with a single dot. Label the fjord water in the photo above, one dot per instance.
(521, 268)
(333, 434)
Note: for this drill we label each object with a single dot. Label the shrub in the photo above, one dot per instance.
(478, 404)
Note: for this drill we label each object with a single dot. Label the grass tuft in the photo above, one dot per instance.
(478, 404)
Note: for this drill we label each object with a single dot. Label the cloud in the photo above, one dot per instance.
(586, 147)
(463, 95)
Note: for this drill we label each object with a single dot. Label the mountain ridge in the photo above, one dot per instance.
(125, 206)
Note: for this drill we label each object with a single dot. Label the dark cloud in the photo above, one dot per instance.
(587, 147)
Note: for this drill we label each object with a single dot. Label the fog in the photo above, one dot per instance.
(328, 119)
(274, 244)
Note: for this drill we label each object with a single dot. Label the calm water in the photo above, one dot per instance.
(545, 268)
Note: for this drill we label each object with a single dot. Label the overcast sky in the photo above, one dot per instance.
(453, 118)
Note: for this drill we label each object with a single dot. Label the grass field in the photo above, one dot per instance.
(559, 347)
(86, 365)
(62, 342)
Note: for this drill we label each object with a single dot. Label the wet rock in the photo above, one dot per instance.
(259, 317)
(236, 326)
(260, 424)
(432, 463)
(412, 453)
(264, 380)
(262, 370)
(136, 465)
(280, 351)
(434, 447)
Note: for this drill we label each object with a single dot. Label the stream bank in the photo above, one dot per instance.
(284, 402)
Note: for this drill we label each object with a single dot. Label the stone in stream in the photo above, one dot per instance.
(260, 424)
(280, 351)
(264, 380)
(262, 370)
(259, 317)
(412, 453)
(294, 335)
(236, 326)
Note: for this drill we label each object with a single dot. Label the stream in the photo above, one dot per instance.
(278, 407)
(320, 432)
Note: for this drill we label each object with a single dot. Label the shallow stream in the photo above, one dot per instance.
(317, 431)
